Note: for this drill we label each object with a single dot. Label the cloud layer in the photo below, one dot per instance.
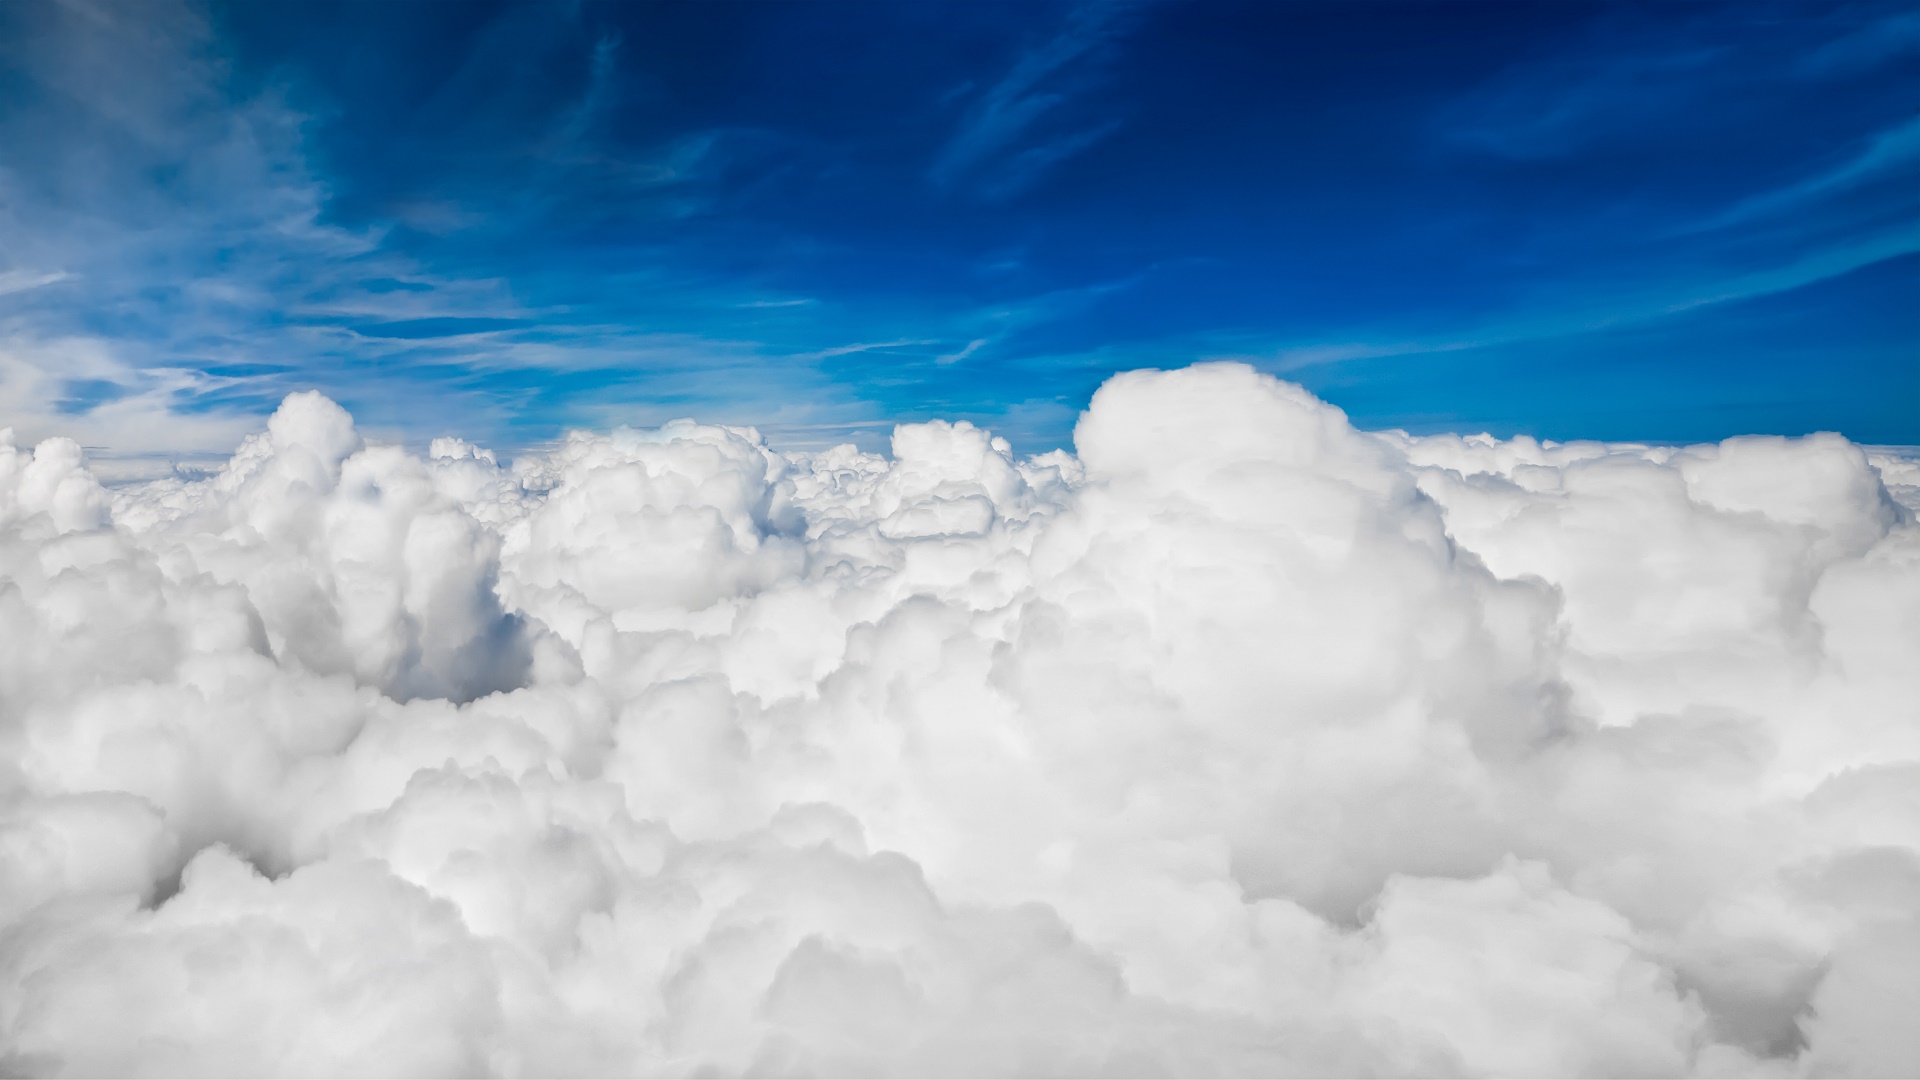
(1240, 741)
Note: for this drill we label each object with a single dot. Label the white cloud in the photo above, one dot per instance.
(1241, 741)
(13, 281)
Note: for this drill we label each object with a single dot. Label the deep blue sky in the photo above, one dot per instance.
(1672, 221)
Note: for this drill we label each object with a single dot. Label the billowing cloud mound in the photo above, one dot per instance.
(1240, 742)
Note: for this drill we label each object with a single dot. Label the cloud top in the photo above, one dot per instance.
(1239, 741)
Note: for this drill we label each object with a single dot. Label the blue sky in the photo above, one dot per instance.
(1672, 221)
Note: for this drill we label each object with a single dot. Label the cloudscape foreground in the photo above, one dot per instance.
(1238, 741)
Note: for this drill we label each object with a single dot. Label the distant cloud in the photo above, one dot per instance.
(865, 346)
(801, 302)
(969, 349)
(388, 285)
(439, 217)
(1295, 357)
(438, 327)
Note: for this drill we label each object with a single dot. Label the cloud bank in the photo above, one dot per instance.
(1241, 741)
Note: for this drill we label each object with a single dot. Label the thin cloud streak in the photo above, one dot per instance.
(1042, 84)
(1888, 155)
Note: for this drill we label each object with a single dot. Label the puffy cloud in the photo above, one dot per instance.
(1239, 741)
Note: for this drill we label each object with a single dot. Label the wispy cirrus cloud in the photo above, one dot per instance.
(1562, 104)
(1873, 42)
(172, 263)
(182, 218)
(22, 280)
(961, 353)
(864, 347)
(1892, 154)
(1024, 124)
(510, 220)
(1605, 314)
(805, 301)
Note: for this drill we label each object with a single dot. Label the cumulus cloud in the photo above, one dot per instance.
(1237, 741)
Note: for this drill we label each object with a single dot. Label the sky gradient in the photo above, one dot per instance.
(1668, 222)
